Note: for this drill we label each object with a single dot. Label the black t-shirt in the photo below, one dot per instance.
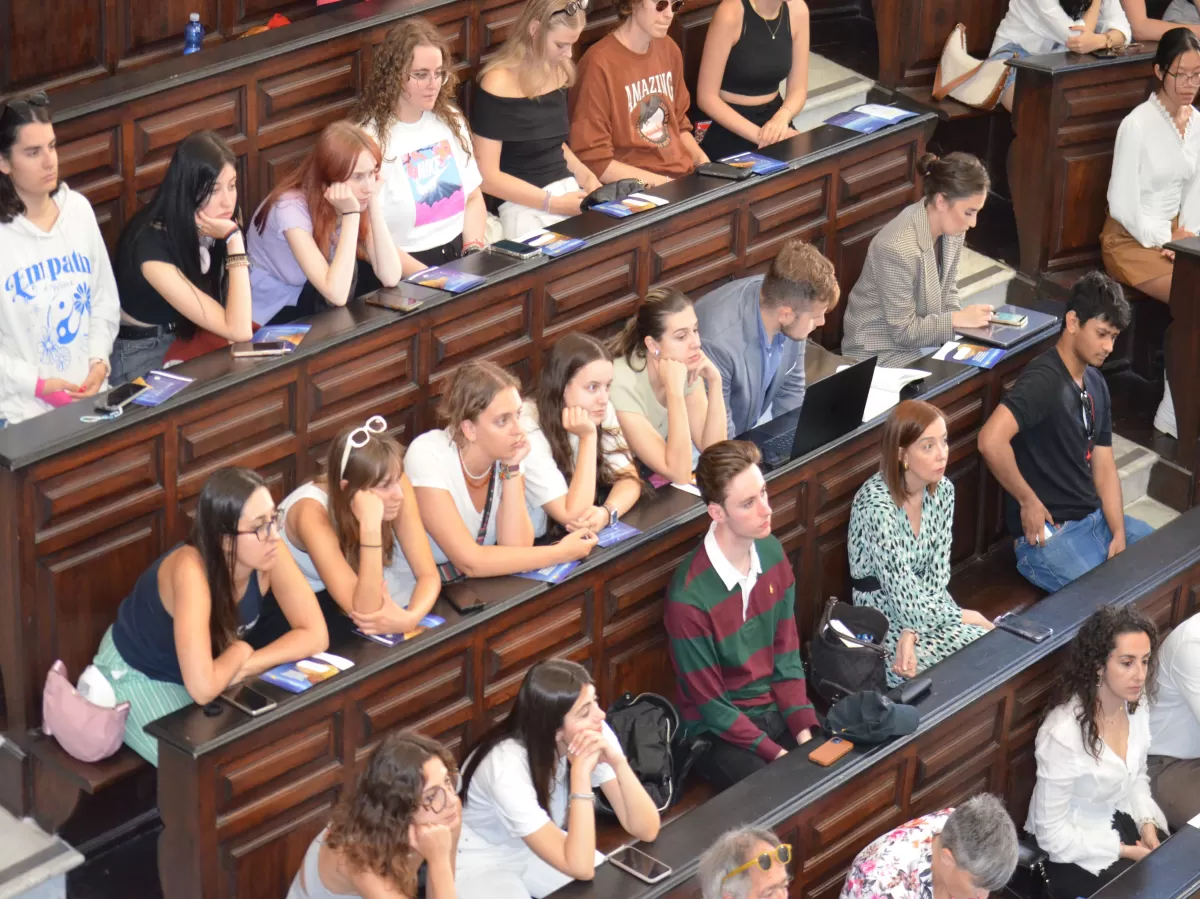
(1052, 446)
(138, 298)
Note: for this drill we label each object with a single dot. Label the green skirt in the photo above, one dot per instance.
(149, 699)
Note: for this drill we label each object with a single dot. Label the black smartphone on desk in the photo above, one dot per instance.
(724, 170)
(1022, 627)
(119, 397)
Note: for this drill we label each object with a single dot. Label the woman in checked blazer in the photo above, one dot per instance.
(906, 298)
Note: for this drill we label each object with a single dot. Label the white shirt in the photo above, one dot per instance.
(427, 179)
(58, 304)
(1041, 26)
(501, 805)
(398, 577)
(432, 461)
(1075, 795)
(1175, 718)
(544, 482)
(727, 572)
(1154, 174)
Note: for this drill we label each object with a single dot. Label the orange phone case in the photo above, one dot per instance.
(830, 751)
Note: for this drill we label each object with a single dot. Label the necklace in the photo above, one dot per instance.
(778, 20)
(476, 480)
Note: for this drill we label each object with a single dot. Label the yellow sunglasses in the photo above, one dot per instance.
(781, 853)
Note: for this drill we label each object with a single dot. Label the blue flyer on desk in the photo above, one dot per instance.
(296, 677)
(756, 162)
(553, 575)
(427, 622)
(616, 533)
(552, 244)
(292, 334)
(447, 279)
(162, 386)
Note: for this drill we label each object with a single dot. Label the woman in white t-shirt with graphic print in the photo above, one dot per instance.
(529, 820)
(574, 436)
(432, 196)
(470, 484)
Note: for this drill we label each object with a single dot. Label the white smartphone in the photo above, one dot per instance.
(639, 864)
(1047, 533)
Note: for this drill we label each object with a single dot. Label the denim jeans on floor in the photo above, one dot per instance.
(1076, 548)
(133, 358)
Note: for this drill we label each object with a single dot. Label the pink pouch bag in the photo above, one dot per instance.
(86, 731)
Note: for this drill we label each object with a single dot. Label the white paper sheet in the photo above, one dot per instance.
(886, 385)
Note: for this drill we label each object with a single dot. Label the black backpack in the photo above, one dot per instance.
(838, 670)
(647, 727)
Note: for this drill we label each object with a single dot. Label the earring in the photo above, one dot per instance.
(904, 465)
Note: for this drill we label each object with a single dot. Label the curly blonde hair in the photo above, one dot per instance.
(526, 55)
(390, 72)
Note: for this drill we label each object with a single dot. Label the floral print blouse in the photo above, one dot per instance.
(898, 865)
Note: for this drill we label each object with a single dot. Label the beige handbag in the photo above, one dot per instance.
(968, 80)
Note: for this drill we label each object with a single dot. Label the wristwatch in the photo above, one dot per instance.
(613, 514)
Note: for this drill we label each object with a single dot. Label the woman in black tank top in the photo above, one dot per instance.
(751, 47)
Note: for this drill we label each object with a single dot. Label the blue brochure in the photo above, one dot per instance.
(447, 279)
(756, 162)
(427, 622)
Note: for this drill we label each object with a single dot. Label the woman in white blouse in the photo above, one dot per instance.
(1033, 27)
(574, 436)
(1091, 810)
(1154, 192)
(469, 480)
(529, 815)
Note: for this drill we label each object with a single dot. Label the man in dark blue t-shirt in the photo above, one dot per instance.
(1049, 444)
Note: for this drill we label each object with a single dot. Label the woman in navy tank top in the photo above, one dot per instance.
(180, 635)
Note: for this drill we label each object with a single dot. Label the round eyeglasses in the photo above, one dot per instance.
(435, 799)
(263, 531)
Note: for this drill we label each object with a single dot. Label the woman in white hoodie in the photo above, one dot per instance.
(59, 310)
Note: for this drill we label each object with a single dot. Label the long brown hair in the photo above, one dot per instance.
(332, 159)
(472, 389)
(571, 353)
(367, 466)
(369, 827)
(526, 55)
(390, 71)
(214, 536)
(1088, 656)
(902, 429)
(650, 320)
(550, 689)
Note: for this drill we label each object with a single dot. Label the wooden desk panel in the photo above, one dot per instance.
(1067, 110)
(912, 34)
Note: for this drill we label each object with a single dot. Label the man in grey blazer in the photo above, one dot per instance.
(754, 329)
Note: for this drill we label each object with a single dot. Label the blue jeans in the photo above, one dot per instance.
(1002, 53)
(1075, 549)
(133, 358)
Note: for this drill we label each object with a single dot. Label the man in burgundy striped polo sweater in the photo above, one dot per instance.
(731, 619)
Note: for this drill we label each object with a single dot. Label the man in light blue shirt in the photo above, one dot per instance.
(754, 329)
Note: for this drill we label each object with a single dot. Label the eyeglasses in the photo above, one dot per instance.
(436, 799)
(662, 5)
(1186, 77)
(263, 531)
(1089, 419)
(571, 8)
(360, 437)
(781, 853)
(23, 104)
(426, 77)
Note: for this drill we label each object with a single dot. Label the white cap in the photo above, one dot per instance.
(194, 17)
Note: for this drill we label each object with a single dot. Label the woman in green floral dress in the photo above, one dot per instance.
(900, 533)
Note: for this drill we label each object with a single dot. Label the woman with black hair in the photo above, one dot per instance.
(529, 821)
(1033, 27)
(1154, 191)
(1091, 810)
(58, 300)
(182, 269)
(577, 453)
(405, 811)
(180, 635)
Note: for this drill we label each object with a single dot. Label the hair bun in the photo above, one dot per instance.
(925, 164)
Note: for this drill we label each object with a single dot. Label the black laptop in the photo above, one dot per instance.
(833, 407)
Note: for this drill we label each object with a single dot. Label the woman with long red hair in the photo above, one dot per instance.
(298, 261)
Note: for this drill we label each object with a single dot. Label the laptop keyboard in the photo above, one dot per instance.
(779, 446)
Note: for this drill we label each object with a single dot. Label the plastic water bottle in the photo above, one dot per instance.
(193, 34)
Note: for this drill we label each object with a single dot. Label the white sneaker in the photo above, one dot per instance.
(1164, 418)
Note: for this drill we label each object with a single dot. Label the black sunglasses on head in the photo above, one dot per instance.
(23, 104)
(573, 7)
(662, 5)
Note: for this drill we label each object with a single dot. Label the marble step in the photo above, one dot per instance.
(33, 864)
